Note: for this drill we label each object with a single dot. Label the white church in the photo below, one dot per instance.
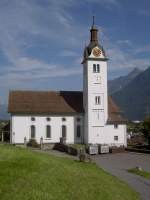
(88, 117)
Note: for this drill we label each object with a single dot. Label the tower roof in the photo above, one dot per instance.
(94, 32)
(94, 42)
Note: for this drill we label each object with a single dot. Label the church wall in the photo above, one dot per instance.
(107, 135)
(20, 128)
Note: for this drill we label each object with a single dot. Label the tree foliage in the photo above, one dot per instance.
(146, 129)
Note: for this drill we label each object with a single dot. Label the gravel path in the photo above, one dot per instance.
(117, 164)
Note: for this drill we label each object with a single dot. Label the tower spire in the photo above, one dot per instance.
(93, 21)
(94, 30)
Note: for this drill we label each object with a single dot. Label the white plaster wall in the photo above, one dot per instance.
(105, 135)
(94, 84)
(98, 89)
(21, 128)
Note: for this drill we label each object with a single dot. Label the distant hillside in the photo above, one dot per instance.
(119, 83)
(3, 112)
(134, 98)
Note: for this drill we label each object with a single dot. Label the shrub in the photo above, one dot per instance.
(61, 147)
(33, 143)
(73, 151)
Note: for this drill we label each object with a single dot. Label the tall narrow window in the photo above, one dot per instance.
(94, 68)
(48, 131)
(33, 132)
(64, 131)
(78, 130)
(97, 100)
(98, 68)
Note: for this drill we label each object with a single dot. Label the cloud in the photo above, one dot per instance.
(42, 39)
(144, 12)
(124, 56)
(68, 53)
(124, 42)
(106, 2)
(23, 23)
(142, 49)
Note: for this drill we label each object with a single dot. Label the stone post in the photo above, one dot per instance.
(41, 143)
(25, 141)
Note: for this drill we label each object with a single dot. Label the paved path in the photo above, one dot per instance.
(57, 153)
(117, 164)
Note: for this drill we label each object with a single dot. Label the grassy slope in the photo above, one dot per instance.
(140, 173)
(26, 175)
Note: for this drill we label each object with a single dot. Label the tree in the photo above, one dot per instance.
(146, 129)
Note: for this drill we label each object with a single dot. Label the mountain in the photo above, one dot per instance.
(3, 112)
(134, 97)
(119, 83)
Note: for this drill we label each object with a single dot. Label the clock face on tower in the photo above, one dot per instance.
(97, 52)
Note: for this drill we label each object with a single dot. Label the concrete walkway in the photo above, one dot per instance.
(117, 164)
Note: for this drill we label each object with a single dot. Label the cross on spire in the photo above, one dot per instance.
(93, 20)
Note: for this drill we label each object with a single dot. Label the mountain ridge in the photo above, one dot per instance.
(119, 83)
(134, 98)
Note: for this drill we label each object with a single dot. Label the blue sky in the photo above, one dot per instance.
(42, 41)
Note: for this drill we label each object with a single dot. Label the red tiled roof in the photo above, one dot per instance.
(42, 102)
(45, 102)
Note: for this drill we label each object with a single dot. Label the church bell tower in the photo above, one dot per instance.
(95, 97)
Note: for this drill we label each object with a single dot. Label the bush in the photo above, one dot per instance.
(73, 151)
(146, 130)
(61, 147)
(33, 143)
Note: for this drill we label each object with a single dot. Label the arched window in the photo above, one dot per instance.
(78, 130)
(33, 131)
(64, 131)
(48, 131)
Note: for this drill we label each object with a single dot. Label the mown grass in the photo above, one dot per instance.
(140, 172)
(27, 175)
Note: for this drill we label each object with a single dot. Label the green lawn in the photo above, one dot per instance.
(140, 173)
(27, 175)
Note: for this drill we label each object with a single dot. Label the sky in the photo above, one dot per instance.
(42, 41)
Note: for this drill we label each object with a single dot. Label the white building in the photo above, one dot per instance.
(81, 117)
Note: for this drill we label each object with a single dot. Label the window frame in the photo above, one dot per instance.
(64, 131)
(48, 126)
(116, 138)
(32, 131)
(78, 131)
(96, 68)
(98, 100)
